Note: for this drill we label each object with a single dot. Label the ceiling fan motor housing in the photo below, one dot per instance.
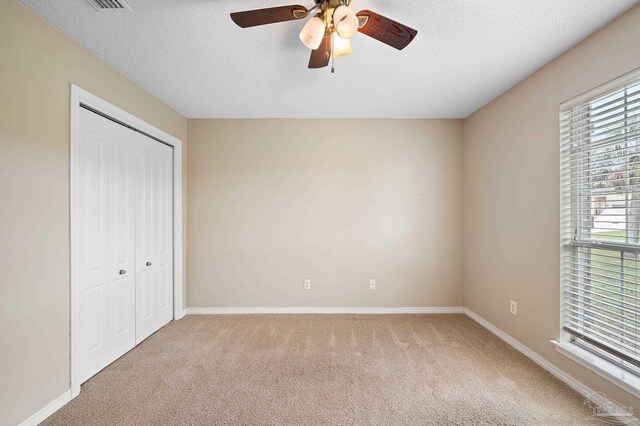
(330, 3)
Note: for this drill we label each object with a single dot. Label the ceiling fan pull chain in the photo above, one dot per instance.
(333, 57)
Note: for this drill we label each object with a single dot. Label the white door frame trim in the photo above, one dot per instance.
(78, 97)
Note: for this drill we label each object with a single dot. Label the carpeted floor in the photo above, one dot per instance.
(324, 369)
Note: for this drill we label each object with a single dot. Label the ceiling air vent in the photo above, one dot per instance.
(102, 5)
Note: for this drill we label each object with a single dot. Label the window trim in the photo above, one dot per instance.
(602, 90)
(601, 365)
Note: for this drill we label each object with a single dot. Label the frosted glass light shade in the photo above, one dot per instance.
(312, 33)
(341, 46)
(345, 21)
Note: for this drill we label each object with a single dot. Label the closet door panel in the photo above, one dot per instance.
(155, 244)
(92, 260)
(105, 242)
(145, 244)
(94, 283)
(121, 230)
(164, 241)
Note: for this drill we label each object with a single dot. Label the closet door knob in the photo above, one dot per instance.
(148, 263)
(122, 272)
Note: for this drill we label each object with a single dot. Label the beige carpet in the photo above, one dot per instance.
(324, 369)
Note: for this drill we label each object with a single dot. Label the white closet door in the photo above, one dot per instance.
(105, 206)
(154, 234)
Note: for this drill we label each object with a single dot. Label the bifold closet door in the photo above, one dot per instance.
(104, 206)
(123, 240)
(154, 236)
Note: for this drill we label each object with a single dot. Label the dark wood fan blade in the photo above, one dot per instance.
(387, 30)
(320, 57)
(271, 15)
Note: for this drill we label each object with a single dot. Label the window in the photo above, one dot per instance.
(600, 202)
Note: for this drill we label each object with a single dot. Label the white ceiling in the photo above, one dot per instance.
(189, 54)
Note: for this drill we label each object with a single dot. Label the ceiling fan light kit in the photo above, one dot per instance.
(313, 32)
(345, 21)
(329, 31)
(341, 46)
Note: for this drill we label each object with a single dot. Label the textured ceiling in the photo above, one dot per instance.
(189, 54)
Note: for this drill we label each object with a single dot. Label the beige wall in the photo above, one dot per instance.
(273, 202)
(37, 63)
(512, 213)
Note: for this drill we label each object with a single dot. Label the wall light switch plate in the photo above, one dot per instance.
(307, 284)
(513, 307)
(372, 284)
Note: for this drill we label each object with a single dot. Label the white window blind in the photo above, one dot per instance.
(600, 202)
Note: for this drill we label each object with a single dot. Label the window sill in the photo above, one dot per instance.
(623, 378)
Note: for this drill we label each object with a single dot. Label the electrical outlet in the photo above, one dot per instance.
(513, 307)
(307, 284)
(372, 284)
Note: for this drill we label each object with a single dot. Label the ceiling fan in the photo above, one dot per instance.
(329, 31)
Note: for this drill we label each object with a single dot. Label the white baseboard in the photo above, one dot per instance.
(48, 410)
(316, 310)
(596, 397)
